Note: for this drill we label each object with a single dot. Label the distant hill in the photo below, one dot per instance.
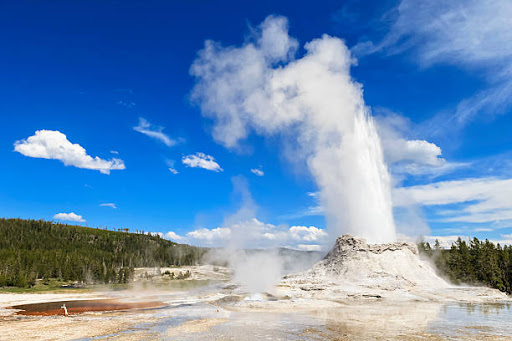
(33, 249)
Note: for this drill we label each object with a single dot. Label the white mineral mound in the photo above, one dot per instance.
(355, 270)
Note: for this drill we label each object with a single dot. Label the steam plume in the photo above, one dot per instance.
(260, 87)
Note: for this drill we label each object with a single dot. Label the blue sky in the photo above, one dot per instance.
(115, 78)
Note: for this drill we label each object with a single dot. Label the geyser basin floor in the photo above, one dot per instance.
(201, 315)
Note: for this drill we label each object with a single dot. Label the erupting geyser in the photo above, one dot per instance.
(314, 104)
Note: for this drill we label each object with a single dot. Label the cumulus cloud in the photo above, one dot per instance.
(52, 144)
(393, 131)
(109, 204)
(216, 236)
(479, 200)
(309, 234)
(174, 237)
(155, 132)
(201, 160)
(257, 234)
(69, 217)
(257, 171)
(312, 101)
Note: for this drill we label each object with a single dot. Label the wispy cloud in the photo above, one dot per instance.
(69, 217)
(109, 204)
(258, 171)
(482, 200)
(52, 144)
(201, 160)
(128, 104)
(170, 165)
(155, 132)
(315, 209)
(471, 34)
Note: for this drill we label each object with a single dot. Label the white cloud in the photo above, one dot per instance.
(406, 154)
(170, 165)
(472, 34)
(444, 241)
(174, 237)
(484, 200)
(308, 234)
(155, 132)
(257, 171)
(447, 241)
(309, 247)
(201, 160)
(253, 233)
(69, 217)
(483, 229)
(501, 241)
(109, 204)
(216, 236)
(114, 152)
(51, 144)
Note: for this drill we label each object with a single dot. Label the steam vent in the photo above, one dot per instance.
(354, 269)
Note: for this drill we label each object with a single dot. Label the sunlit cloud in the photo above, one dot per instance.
(257, 234)
(69, 217)
(201, 160)
(52, 144)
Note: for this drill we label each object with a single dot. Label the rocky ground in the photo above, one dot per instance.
(198, 273)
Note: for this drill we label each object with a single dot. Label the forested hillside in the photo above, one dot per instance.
(34, 249)
(476, 262)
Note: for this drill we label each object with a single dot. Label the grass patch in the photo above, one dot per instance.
(46, 286)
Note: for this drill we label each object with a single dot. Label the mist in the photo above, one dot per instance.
(258, 264)
(311, 102)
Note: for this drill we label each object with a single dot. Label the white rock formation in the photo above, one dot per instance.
(355, 270)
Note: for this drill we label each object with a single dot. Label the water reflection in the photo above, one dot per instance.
(280, 320)
(473, 320)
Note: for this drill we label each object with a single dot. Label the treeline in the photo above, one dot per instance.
(477, 262)
(37, 249)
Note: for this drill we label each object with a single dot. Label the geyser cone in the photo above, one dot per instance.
(354, 269)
